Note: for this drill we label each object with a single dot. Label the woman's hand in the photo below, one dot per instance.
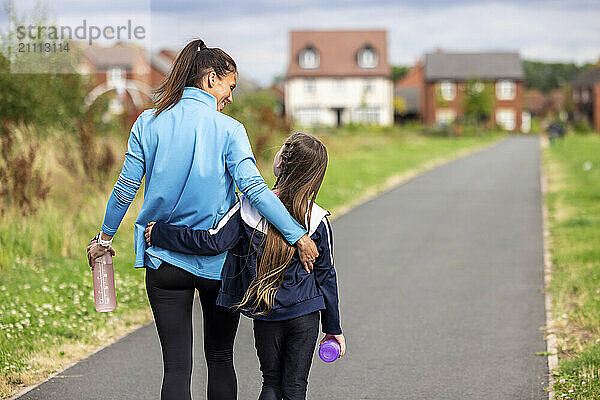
(148, 232)
(339, 338)
(307, 251)
(95, 251)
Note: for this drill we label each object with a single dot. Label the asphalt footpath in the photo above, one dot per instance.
(441, 285)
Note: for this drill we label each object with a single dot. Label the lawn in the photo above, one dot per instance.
(572, 167)
(47, 316)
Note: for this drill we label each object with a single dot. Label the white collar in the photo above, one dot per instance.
(253, 218)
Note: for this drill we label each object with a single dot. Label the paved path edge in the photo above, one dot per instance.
(105, 345)
(551, 343)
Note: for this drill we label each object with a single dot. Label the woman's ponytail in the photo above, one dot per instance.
(192, 63)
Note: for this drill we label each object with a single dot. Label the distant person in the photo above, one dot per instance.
(192, 155)
(263, 276)
(556, 130)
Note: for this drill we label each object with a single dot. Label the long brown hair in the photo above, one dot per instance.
(304, 160)
(192, 63)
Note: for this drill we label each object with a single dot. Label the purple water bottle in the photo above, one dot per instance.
(329, 351)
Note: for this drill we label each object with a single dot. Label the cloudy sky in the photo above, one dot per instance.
(256, 33)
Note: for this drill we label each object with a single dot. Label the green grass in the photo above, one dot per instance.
(365, 162)
(47, 315)
(573, 199)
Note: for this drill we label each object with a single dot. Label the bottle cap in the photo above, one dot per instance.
(329, 351)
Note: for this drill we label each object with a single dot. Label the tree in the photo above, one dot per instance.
(547, 76)
(398, 72)
(264, 125)
(478, 101)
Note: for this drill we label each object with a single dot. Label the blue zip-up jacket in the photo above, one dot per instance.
(191, 156)
(241, 231)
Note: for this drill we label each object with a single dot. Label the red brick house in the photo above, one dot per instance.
(160, 64)
(445, 78)
(123, 69)
(586, 96)
(409, 90)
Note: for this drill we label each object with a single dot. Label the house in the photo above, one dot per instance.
(160, 65)
(408, 93)
(129, 72)
(122, 69)
(445, 80)
(586, 96)
(339, 77)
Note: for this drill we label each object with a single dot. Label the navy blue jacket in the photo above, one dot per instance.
(242, 231)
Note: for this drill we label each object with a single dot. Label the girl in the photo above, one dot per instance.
(263, 276)
(191, 156)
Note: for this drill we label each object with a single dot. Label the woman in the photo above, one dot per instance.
(191, 156)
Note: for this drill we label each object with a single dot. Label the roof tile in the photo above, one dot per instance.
(338, 52)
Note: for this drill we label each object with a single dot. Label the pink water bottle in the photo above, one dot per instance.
(105, 297)
(329, 351)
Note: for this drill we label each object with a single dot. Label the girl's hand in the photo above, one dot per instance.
(307, 251)
(95, 250)
(339, 338)
(148, 232)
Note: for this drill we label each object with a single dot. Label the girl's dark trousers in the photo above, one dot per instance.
(285, 350)
(171, 293)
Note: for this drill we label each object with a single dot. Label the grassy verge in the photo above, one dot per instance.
(47, 316)
(362, 165)
(572, 167)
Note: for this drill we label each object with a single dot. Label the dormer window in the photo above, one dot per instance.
(308, 58)
(367, 57)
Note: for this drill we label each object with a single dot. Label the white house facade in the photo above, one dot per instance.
(339, 77)
(313, 101)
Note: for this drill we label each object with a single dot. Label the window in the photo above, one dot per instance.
(506, 118)
(366, 115)
(576, 96)
(506, 90)
(115, 76)
(368, 85)
(367, 57)
(445, 116)
(310, 85)
(308, 58)
(339, 85)
(585, 95)
(448, 90)
(307, 116)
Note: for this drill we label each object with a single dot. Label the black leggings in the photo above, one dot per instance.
(171, 293)
(285, 351)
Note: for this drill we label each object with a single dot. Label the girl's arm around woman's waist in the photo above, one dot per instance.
(198, 241)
